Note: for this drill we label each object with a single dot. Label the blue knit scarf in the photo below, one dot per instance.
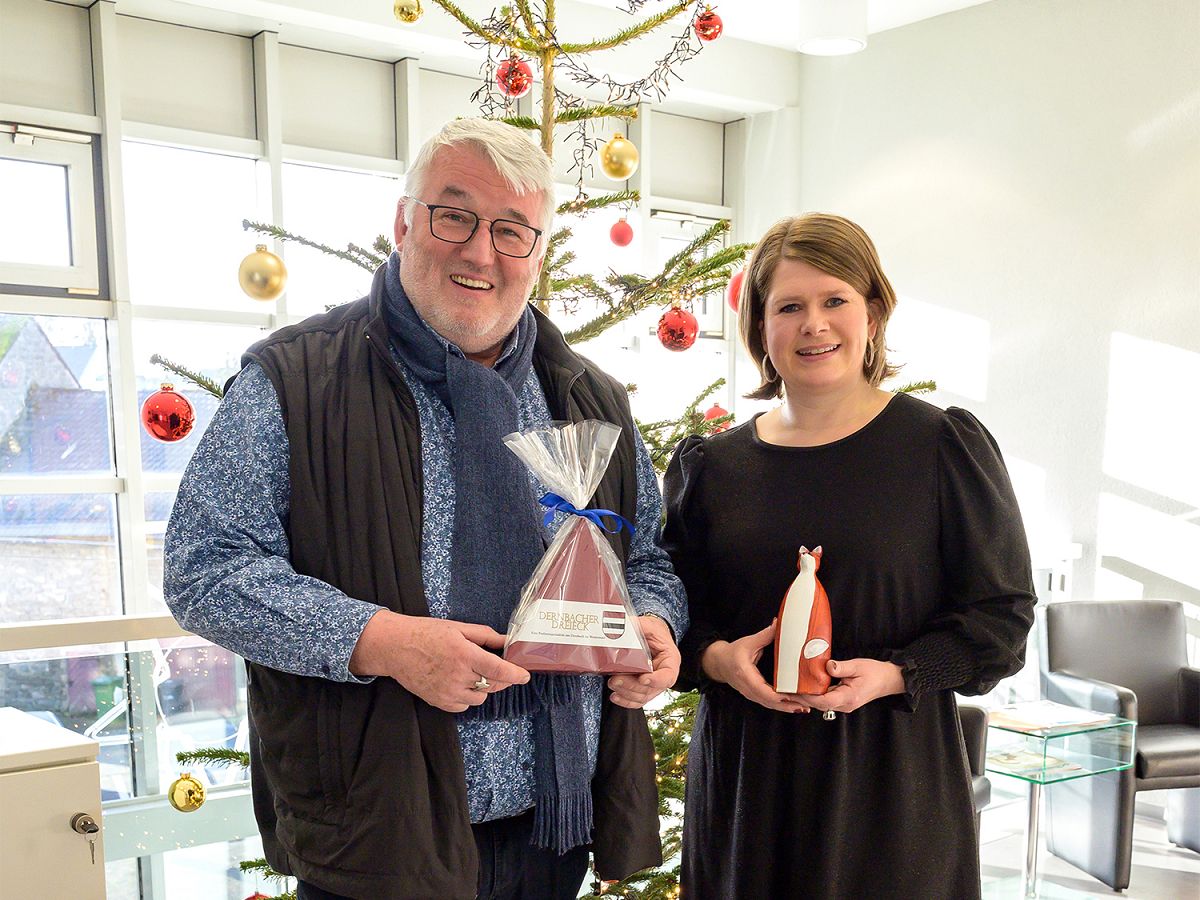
(497, 542)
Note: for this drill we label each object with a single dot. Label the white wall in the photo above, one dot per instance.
(1030, 172)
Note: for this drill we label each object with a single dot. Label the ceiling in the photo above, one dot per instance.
(753, 69)
(776, 23)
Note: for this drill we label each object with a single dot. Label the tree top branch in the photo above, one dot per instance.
(628, 34)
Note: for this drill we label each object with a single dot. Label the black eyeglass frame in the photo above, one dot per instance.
(537, 232)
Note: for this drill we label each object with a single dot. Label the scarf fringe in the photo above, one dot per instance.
(542, 691)
(563, 822)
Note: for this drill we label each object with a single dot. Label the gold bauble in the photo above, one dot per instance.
(407, 11)
(262, 274)
(186, 793)
(619, 158)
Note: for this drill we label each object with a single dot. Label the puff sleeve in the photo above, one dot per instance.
(978, 635)
(684, 540)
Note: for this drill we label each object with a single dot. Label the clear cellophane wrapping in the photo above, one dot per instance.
(574, 615)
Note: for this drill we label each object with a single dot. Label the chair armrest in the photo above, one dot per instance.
(1189, 688)
(1090, 693)
(974, 728)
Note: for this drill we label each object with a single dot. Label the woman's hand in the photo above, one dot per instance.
(736, 664)
(862, 680)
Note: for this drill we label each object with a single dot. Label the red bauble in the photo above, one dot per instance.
(677, 329)
(716, 411)
(709, 25)
(621, 233)
(168, 416)
(514, 77)
(733, 291)
(259, 895)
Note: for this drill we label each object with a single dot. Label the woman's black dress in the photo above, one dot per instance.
(926, 564)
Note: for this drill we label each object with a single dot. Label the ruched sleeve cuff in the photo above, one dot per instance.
(935, 661)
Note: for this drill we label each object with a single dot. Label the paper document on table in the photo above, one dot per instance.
(1028, 764)
(1039, 715)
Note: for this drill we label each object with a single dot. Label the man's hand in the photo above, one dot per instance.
(439, 660)
(635, 691)
(736, 664)
(863, 680)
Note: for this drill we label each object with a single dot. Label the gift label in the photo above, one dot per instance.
(582, 624)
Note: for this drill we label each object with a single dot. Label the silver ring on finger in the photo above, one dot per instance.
(481, 685)
(829, 715)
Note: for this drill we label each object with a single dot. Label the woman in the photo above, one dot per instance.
(927, 570)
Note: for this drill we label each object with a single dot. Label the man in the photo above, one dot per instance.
(352, 525)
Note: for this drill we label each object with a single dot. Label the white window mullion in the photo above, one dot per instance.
(37, 305)
(50, 118)
(63, 484)
(408, 111)
(131, 511)
(190, 314)
(189, 139)
(131, 504)
(268, 108)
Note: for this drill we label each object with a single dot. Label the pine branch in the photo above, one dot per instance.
(213, 756)
(260, 867)
(628, 34)
(917, 387)
(561, 261)
(680, 274)
(560, 235)
(201, 381)
(714, 231)
(367, 256)
(590, 204)
(661, 438)
(527, 18)
(281, 235)
(604, 111)
(481, 31)
(569, 292)
(526, 123)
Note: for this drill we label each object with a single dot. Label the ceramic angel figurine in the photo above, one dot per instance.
(805, 632)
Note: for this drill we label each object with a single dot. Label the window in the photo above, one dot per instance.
(183, 220)
(54, 397)
(47, 177)
(333, 207)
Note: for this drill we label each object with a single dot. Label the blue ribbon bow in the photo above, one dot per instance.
(556, 503)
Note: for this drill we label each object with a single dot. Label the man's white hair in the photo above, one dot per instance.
(521, 162)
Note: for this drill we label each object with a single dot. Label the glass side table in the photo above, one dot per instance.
(1042, 742)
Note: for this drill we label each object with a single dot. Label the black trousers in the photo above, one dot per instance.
(510, 868)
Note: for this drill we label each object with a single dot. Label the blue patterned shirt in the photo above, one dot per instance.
(237, 489)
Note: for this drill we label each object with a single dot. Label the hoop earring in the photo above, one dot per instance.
(869, 356)
(769, 369)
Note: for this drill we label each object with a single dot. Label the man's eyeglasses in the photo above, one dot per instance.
(457, 226)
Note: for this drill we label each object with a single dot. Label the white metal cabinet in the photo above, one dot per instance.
(47, 775)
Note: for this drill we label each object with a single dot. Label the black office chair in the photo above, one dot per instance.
(1127, 657)
(974, 729)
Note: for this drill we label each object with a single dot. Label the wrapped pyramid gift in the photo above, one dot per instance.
(575, 615)
(805, 631)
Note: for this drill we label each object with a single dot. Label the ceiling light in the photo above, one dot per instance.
(832, 27)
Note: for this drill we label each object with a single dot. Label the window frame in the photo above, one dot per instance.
(75, 153)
